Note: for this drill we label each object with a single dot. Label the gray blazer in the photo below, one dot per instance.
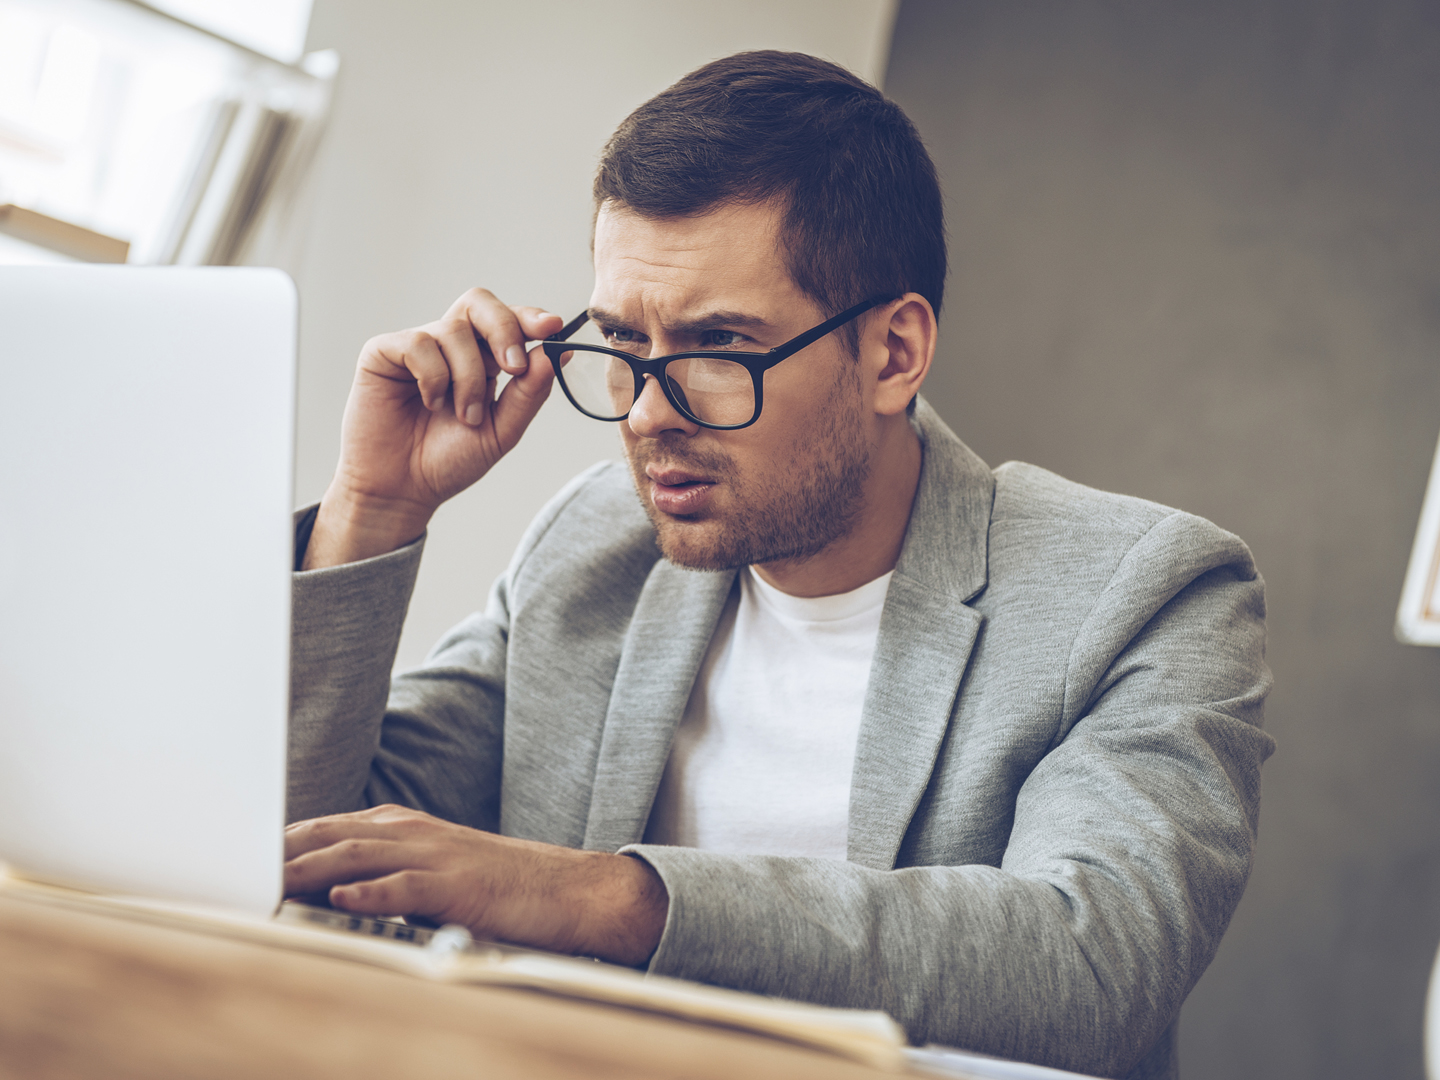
(1056, 785)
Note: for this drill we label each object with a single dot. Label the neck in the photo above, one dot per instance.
(872, 547)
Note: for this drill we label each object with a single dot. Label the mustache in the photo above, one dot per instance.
(676, 453)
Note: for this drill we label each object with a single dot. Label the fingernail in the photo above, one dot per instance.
(515, 359)
(474, 414)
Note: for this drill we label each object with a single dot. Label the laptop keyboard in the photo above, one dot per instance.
(390, 929)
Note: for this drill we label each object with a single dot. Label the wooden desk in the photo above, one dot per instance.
(85, 995)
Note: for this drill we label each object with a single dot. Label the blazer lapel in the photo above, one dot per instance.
(927, 633)
(664, 647)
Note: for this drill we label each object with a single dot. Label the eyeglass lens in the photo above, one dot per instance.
(712, 391)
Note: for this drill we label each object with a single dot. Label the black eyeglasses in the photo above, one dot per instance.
(723, 390)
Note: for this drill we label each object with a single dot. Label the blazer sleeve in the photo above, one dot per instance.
(345, 626)
(430, 738)
(1131, 844)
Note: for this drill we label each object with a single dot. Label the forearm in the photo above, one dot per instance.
(968, 956)
(346, 625)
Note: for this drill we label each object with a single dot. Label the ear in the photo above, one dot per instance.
(900, 344)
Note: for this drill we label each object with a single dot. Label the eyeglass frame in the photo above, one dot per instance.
(757, 364)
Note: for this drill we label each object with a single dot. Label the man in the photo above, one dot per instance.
(832, 711)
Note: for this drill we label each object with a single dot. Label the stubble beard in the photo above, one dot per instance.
(786, 518)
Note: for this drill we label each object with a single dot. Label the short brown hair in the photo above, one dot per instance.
(863, 214)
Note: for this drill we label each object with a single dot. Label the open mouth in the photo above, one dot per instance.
(678, 492)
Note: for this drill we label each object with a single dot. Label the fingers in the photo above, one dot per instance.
(388, 860)
(521, 400)
(386, 821)
(504, 330)
(537, 323)
(405, 892)
(349, 860)
(471, 367)
(412, 355)
(445, 359)
(457, 357)
(487, 337)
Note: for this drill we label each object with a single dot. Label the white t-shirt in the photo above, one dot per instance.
(761, 762)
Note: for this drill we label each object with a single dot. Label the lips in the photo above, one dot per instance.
(678, 492)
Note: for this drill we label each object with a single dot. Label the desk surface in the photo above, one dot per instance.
(86, 995)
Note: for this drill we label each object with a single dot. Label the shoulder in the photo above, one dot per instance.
(1080, 578)
(1028, 493)
(1038, 511)
(1085, 550)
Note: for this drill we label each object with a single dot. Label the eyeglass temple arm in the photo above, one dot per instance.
(563, 334)
(811, 336)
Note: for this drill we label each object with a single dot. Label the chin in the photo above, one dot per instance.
(695, 547)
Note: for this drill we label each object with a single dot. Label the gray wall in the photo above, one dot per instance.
(1197, 258)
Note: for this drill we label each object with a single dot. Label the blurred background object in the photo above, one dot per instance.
(167, 137)
(1432, 1024)
(54, 240)
(275, 28)
(1417, 622)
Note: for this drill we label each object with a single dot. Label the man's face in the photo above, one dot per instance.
(791, 483)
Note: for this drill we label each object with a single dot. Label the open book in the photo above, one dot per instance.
(449, 955)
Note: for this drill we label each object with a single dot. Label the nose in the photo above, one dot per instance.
(652, 415)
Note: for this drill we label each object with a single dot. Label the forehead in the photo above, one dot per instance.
(728, 258)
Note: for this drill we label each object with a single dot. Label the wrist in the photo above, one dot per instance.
(351, 526)
(626, 910)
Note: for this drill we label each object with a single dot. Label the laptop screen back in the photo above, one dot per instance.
(146, 433)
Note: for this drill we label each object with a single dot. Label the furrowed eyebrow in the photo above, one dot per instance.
(713, 320)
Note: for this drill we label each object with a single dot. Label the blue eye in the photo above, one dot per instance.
(721, 339)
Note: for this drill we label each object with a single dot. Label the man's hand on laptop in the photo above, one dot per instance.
(423, 422)
(392, 861)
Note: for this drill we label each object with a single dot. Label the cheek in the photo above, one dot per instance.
(803, 390)
(771, 461)
(784, 442)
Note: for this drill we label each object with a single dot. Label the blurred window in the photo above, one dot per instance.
(274, 27)
(132, 124)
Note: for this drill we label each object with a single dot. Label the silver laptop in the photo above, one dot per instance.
(146, 439)
(146, 435)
